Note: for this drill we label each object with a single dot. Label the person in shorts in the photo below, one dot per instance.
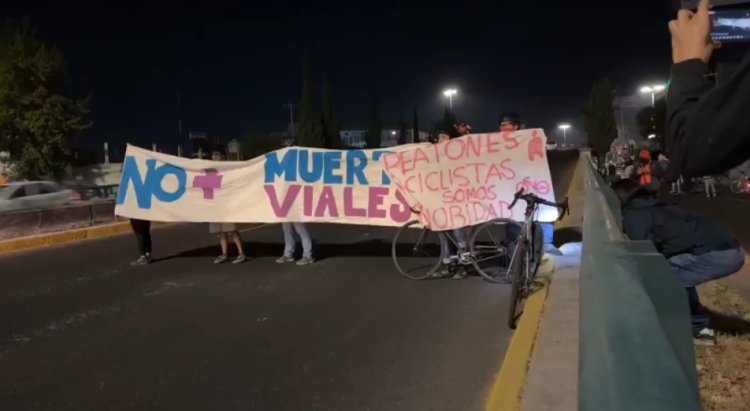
(226, 231)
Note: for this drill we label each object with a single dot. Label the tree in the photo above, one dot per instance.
(402, 130)
(415, 128)
(653, 121)
(599, 116)
(310, 129)
(374, 133)
(331, 128)
(37, 122)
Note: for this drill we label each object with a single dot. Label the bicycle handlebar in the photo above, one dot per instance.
(532, 199)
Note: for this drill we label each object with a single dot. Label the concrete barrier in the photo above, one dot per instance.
(29, 222)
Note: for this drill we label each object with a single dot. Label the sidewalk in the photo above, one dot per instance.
(552, 382)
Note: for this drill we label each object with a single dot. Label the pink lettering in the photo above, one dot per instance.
(376, 200)
(282, 210)
(327, 201)
(349, 208)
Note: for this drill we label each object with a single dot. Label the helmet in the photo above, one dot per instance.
(510, 117)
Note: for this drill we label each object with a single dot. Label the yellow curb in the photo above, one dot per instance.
(508, 387)
(62, 237)
(507, 391)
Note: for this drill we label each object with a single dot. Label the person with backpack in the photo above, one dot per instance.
(698, 249)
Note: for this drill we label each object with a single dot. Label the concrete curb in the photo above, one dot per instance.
(508, 392)
(63, 237)
(508, 387)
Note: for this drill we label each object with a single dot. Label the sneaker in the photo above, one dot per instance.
(442, 272)
(221, 259)
(460, 274)
(305, 261)
(240, 259)
(142, 260)
(284, 259)
(705, 337)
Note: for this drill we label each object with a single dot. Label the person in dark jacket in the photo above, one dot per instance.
(142, 231)
(708, 131)
(698, 249)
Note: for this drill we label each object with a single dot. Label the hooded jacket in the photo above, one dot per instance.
(673, 229)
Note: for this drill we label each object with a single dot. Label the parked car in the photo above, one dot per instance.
(34, 195)
(551, 146)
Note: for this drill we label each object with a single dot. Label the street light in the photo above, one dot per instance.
(564, 127)
(657, 88)
(450, 93)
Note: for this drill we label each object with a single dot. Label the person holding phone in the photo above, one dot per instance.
(708, 131)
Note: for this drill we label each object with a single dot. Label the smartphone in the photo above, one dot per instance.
(730, 26)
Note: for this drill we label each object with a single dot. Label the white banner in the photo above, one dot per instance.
(472, 179)
(290, 184)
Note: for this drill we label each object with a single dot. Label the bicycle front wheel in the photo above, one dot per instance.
(518, 282)
(489, 251)
(737, 186)
(416, 251)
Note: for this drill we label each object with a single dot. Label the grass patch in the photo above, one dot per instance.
(724, 370)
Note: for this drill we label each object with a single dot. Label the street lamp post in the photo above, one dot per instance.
(450, 93)
(564, 127)
(657, 88)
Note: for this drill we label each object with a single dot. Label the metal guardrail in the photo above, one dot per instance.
(27, 222)
(636, 348)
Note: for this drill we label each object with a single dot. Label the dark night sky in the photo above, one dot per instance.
(238, 63)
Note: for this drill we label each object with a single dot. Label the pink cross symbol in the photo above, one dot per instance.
(208, 183)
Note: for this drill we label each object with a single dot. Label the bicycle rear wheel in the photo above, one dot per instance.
(518, 280)
(488, 246)
(537, 236)
(416, 251)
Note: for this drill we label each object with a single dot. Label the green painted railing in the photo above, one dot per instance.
(636, 347)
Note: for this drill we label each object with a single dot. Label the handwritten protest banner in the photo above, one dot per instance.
(291, 184)
(472, 179)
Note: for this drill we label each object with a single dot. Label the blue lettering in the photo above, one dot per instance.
(331, 162)
(151, 186)
(305, 173)
(376, 156)
(356, 168)
(287, 167)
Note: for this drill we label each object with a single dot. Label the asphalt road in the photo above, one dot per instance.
(81, 330)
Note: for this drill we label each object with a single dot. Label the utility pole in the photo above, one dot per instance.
(291, 106)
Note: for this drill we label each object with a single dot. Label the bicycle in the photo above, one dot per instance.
(522, 272)
(422, 259)
(740, 185)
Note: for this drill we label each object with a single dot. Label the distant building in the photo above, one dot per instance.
(626, 109)
(388, 138)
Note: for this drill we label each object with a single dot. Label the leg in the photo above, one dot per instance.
(445, 249)
(147, 238)
(304, 235)
(698, 315)
(289, 242)
(140, 238)
(460, 235)
(223, 243)
(694, 270)
(237, 238)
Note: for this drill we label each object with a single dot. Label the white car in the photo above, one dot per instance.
(34, 195)
(551, 146)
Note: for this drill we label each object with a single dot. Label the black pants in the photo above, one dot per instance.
(142, 231)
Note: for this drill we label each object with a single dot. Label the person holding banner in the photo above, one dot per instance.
(142, 231)
(224, 231)
(290, 244)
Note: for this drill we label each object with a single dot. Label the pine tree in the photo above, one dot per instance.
(375, 131)
(331, 128)
(402, 130)
(599, 116)
(309, 124)
(415, 128)
(37, 122)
